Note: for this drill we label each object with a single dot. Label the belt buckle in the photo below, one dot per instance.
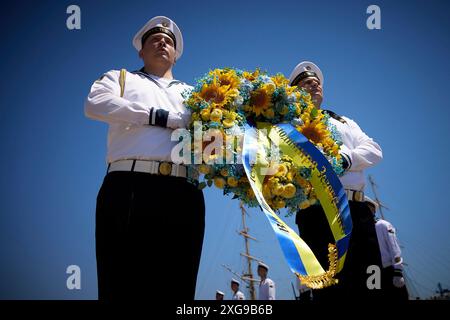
(165, 168)
(358, 196)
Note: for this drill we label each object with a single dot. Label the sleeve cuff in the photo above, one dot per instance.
(347, 162)
(398, 272)
(158, 117)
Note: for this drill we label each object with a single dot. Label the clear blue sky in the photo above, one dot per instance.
(394, 82)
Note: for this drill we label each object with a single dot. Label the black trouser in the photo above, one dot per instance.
(363, 250)
(389, 291)
(149, 236)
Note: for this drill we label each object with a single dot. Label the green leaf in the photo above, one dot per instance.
(202, 185)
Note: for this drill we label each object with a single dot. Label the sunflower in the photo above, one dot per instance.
(316, 131)
(227, 78)
(214, 93)
(251, 76)
(280, 80)
(261, 99)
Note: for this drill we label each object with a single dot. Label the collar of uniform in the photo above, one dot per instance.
(335, 116)
(156, 78)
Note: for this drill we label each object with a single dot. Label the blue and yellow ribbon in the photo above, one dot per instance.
(328, 189)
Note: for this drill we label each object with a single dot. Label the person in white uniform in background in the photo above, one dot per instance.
(359, 152)
(237, 294)
(133, 233)
(392, 280)
(266, 286)
(219, 295)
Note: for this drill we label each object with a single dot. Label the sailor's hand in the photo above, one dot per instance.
(398, 282)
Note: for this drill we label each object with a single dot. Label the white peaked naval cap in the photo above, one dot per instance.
(304, 70)
(263, 265)
(160, 24)
(372, 202)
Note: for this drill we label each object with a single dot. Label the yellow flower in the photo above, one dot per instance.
(251, 76)
(272, 181)
(290, 90)
(224, 172)
(303, 183)
(214, 93)
(203, 168)
(205, 114)
(232, 182)
(266, 191)
(289, 191)
(261, 99)
(278, 204)
(228, 123)
(229, 115)
(315, 131)
(290, 175)
(219, 182)
(281, 170)
(229, 78)
(216, 115)
(277, 189)
(195, 117)
(280, 80)
(304, 204)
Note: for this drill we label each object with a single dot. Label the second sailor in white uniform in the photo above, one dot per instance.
(359, 152)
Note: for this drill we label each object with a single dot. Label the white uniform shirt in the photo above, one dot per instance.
(129, 135)
(389, 248)
(362, 151)
(266, 290)
(238, 295)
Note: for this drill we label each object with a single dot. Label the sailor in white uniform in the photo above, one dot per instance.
(142, 108)
(359, 152)
(219, 295)
(392, 280)
(266, 286)
(237, 294)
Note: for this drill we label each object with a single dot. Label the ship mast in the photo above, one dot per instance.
(374, 190)
(249, 275)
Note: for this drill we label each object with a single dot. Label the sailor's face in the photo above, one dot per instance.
(234, 287)
(313, 86)
(158, 47)
(262, 272)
